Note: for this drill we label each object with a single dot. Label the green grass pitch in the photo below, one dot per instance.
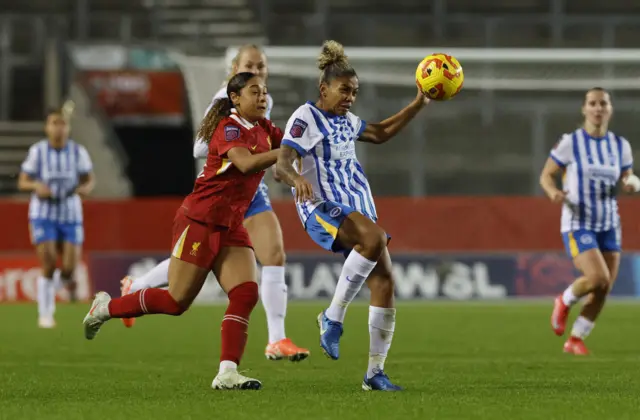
(457, 361)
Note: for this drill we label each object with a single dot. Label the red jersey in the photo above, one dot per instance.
(222, 194)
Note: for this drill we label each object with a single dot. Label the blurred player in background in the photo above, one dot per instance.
(335, 204)
(263, 227)
(208, 233)
(592, 161)
(57, 172)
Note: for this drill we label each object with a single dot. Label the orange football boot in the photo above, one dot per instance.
(285, 349)
(125, 288)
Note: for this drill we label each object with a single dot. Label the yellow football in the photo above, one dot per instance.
(440, 76)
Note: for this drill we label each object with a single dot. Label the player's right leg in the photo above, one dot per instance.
(585, 322)
(43, 237)
(235, 270)
(266, 235)
(583, 247)
(339, 228)
(190, 263)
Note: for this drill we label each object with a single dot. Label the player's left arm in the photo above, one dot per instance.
(383, 131)
(86, 178)
(630, 181)
(229, 140)
(249, 163)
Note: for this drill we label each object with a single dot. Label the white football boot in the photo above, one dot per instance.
(231, 379)
(46, 322)
(98, 315)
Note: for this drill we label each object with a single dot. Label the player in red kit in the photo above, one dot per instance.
(208, 234)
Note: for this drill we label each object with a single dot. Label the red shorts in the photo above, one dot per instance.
(200, 244)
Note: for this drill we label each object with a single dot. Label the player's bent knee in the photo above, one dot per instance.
(276, 257)
(374, 241)
(179, 308)
(599, 282)
(245, 294)
(176, 305)
(48, 270)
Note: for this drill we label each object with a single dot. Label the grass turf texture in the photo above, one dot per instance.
(456, 360)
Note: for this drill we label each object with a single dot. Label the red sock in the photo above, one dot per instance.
(242, 300)
(142, 302)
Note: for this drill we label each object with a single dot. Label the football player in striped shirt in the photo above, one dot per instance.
(58, 172)
(263, 227)
(318, 157)
(592, 160)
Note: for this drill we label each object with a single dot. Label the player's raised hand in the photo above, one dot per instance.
(422, 97)
(304, 190)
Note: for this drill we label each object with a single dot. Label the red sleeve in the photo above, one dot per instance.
(275, 133)
(228, 136)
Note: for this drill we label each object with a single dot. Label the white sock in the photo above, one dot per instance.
(382, 323)
(227, 364)
(355, 271)
(57, 280)
(44, 295)
(273, 292)
(568, 298)
(157, 277)
(51, 296)
(582, 327)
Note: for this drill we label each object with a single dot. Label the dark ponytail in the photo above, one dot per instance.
(222, 107)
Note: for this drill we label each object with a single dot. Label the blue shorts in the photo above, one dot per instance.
(47, 230)
(324, 222)
(582, 240)
(260, 202)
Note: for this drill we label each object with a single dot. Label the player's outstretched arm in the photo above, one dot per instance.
(288, 174)
(383, 131)
(248, 163)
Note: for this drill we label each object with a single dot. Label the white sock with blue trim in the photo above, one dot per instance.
(355, 271)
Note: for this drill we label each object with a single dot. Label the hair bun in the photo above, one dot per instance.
(332, 53)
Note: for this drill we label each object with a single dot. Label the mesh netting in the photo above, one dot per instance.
(505, 69)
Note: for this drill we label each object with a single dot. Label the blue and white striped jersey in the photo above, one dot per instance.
(326, 143)
(593, 167)
(60, 170)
